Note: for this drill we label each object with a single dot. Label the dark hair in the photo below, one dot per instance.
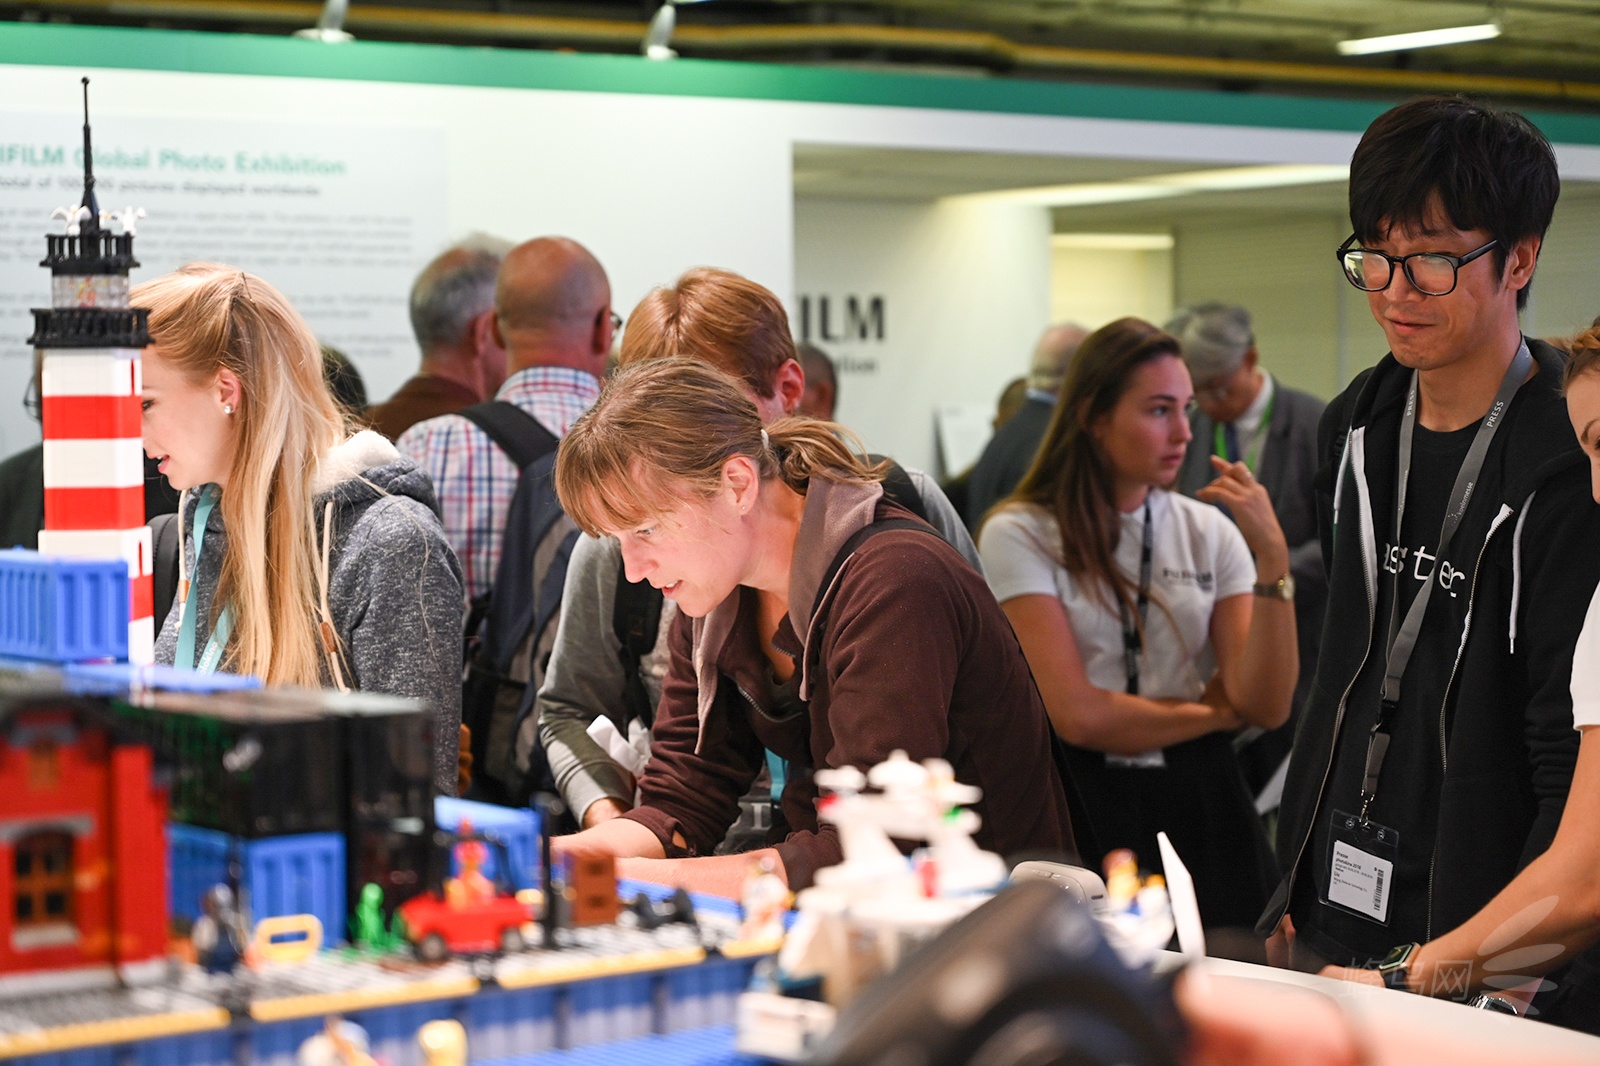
(1068, 477)
(1491, 170)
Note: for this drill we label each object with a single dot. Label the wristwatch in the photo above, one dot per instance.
(1281, 589)
(1396, 967)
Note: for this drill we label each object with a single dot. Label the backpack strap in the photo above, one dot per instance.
(636, 620)
(164, 530)
(857, 539)
(514, 431)
(898, 486)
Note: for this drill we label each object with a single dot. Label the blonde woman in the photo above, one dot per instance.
(818, 621)
(310, 556)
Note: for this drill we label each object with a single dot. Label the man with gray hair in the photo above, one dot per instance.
(1010, 451)
(1241, 413)
(452, 316)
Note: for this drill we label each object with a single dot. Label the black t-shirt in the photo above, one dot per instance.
(1413, 771)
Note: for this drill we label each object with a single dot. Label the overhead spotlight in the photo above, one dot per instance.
(330, 24)
(658, 38)
(1396, 42)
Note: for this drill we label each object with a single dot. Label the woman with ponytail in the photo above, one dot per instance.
(818, 621)
(308, 556)
(1134, 607)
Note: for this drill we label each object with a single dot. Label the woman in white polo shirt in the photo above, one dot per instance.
(1134, 607)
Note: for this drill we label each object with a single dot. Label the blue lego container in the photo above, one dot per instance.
(301, 874)
(196, 859)
(62, 610)
(516, 827)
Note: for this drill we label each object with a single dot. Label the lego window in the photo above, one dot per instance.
(43, 879)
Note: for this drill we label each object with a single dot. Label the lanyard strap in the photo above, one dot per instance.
(1132, 635)
(211, 658)
(1252, 458)
(1402, 640)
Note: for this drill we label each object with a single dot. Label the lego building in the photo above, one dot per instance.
(82, 843)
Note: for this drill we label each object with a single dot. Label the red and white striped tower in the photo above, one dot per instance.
(89, 342)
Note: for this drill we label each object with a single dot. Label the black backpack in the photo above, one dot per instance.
(636, 611)
(511, 629)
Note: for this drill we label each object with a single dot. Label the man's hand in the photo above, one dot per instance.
(1281, 944)
(1353, 975)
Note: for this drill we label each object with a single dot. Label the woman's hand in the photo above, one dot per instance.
(1246, 499)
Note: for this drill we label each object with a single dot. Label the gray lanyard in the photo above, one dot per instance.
(1403, 641)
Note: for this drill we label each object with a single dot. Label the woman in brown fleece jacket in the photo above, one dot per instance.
(905, 647)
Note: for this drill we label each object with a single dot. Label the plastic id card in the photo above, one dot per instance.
(1361, 858)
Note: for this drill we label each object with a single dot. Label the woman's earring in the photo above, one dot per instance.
(227, 408)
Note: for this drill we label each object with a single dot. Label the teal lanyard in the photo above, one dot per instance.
(1252, 459)
(223, 628)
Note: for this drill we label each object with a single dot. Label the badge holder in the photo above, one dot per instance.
(1361, 859)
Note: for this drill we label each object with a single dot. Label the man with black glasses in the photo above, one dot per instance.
(1436, 745)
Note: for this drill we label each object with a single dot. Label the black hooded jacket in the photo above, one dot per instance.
(1528, 541)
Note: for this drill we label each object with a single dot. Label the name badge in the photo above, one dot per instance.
(1361, 858)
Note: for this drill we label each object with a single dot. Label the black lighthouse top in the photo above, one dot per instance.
(87, 247)
(89, 277)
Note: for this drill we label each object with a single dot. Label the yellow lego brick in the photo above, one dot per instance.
(324, 1003)
(582, 969)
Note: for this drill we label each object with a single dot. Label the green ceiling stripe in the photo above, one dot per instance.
(223, 53)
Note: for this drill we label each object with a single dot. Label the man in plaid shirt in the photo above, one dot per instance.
(553, 316)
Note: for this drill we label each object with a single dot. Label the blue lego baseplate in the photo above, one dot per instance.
(710, 1046)
(115, 679)
(62, 610)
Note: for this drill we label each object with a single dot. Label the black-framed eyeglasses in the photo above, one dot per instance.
(1430, 273)
(616, 320)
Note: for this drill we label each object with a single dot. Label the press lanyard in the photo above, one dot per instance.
(1403, 641)
(223, 628)
(1132, 641)
(1252, 459)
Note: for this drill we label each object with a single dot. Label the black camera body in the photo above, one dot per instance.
(1027, 979)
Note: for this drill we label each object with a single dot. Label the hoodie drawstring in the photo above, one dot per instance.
(330, 636)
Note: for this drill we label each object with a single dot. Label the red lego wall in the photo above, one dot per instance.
(82, 847)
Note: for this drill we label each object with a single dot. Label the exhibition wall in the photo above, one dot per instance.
(336, 172)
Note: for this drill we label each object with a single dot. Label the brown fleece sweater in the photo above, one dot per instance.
(909, 650)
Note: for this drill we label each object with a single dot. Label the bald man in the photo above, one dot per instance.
(553, 317)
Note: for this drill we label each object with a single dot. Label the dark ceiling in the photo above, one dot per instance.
(1549, 50)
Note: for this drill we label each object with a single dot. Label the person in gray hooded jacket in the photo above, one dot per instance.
(308, 557)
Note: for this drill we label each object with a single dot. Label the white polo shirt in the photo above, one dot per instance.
(1198, 557)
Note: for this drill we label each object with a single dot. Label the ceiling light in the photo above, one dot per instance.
(1395, 42)
(1183, 183)
(330, 25)
(657, 42)
(1113, 242)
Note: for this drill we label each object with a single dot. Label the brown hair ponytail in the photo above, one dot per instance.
(665, 427)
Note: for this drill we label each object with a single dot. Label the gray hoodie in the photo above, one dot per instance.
(394, 587)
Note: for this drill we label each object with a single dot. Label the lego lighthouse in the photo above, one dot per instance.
(89, 342)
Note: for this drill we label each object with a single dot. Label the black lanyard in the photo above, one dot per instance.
(1402, 641)
(1132, 640)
